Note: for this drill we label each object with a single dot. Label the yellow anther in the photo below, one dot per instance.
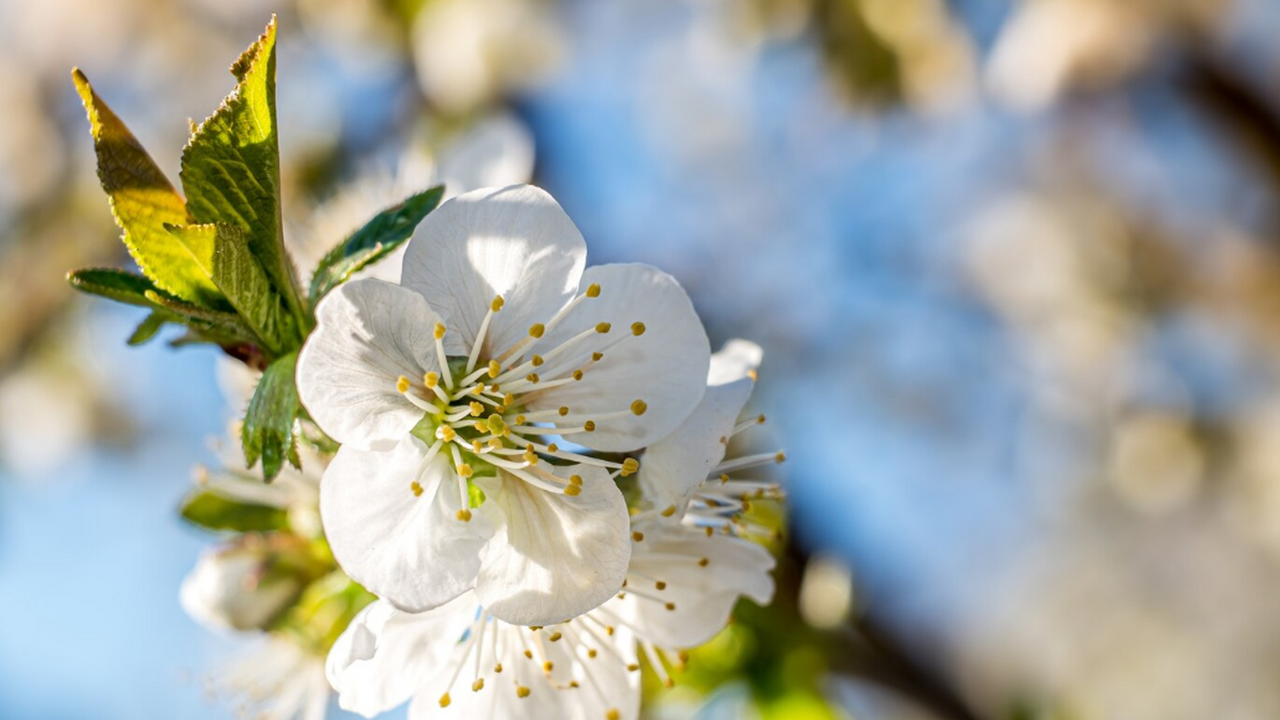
(575, 479)
(495, 443)
(593, 290)
(495, 368)
(591, 653)
(613, 714)
(531, 377)
(639, 407)
(633, 667)
(548, 666)
(753, 375)
(780, 457)
(508, 399)
(530, 457)
(703, 562)
(445, 700)
(402, 385)
(669, 511)
(563, 411)
(555, 637)
(603, 327)
(431, 379)
(724, 478)
(637, 328)
(589, 426)
(476, 408)
(478, 685)
(464, 470)
(660, 585)
(637, 536)
(683, 655)
(537, 361)
(670, 607)
(553, 448)
(608, 629)
(760, 420)
(447, 433)
(497, 668)
(709, 531)
(577, 374)
(573, 683)
(522, 691)
(416, 487)
(478, 389)
(520, 419)
(464, 515)
(536, 330)
(497, 303)
(440, 330)
(629, 467)
(597, 356)
(573, 490)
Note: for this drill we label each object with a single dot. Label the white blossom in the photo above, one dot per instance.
(474, 375)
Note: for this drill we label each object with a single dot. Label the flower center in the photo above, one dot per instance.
(476, 409)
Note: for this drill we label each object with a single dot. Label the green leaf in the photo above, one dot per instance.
(224, 253)
(268, 430)
(226, 325)
(150, 325)
(381, 235)
(118, 285)
(213, 511)
(231, 168)
(142, 201)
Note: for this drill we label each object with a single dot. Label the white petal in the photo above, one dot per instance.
(409, 549)
(673, 468)
(368, 334)
(704, 596)
(735, 361)
(552, 556)
(666, 366)
(384, 655)
(515, 242)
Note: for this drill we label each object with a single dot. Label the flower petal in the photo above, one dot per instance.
(384, 654)
(408, 548)
(665, 366)
(552, 556)
(702, 596)
(368, 334)
(673, 468)
(515, 242)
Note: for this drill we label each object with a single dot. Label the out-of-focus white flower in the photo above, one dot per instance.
(276, 680)
(689, 465)
(469, 52)
(496, 345)
(458, 661)
(232, 587)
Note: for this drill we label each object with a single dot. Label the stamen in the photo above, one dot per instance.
(494, 306)
(639, 407)
(440, 330)
(637, 328)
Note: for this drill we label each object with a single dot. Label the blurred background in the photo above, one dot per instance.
(1015, 265)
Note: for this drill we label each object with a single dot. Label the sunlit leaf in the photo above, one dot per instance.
(214, 511)
(142, 201)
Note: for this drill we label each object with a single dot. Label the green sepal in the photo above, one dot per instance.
(323, 612)
(213, 511)
(231, 169)
(268, 430)
(142, 202)
(224, 253)
(378, 238)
